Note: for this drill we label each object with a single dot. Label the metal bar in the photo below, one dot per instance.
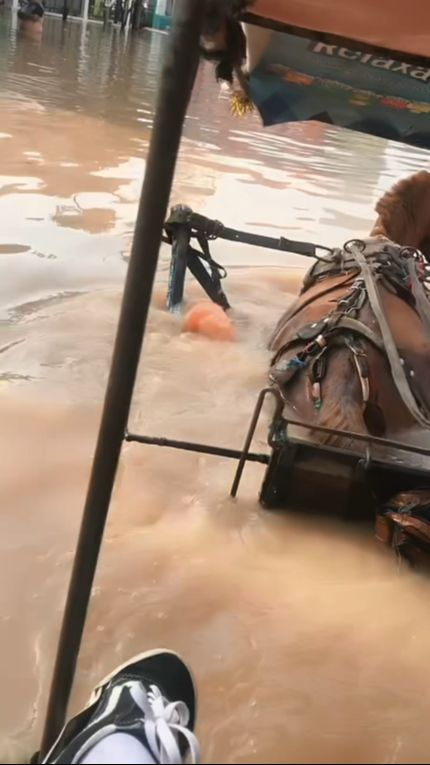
(367, 438)
(189, 446)
(177, 80)
(250, 434)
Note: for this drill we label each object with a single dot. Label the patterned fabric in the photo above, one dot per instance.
(300, 79)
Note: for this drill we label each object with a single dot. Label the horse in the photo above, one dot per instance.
(353, 351)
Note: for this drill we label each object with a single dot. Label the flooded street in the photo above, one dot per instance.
(307, 642)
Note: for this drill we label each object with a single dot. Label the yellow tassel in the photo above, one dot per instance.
(240, 105)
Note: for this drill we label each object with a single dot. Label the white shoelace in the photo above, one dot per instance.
(164, 723)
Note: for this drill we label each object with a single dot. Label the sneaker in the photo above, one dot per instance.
(150, 698)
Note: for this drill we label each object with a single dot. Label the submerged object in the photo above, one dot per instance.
(209, 319)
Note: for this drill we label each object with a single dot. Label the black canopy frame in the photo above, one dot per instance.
(176, 84)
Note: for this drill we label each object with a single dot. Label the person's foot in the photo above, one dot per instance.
(151, 699)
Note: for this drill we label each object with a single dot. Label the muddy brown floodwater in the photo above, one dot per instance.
(307, 642)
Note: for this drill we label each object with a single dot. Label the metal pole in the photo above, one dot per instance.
(191, 446)
(244, 456)
(177, 80)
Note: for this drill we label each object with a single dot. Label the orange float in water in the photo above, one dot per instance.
(210, 320)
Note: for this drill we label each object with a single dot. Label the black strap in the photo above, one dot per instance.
(216, 268)
(211, 283)
(214, 229)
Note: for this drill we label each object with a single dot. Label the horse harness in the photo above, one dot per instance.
(365, 263)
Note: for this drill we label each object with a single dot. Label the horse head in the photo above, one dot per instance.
(404, 213)
(353, 352)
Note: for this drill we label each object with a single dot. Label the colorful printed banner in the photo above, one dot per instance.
(298, 79)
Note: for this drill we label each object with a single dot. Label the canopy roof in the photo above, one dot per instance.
(362, 65)
(394, 24)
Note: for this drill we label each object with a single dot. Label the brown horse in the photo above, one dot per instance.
(331, 363)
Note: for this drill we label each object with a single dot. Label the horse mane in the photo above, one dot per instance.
(404, 213)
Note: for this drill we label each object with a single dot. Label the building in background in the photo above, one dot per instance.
(162, 14)
(155, 13)
(76, 7)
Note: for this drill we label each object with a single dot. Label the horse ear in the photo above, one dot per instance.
(404, 211)
(392, 220)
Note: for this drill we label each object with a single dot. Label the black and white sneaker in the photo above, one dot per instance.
(151, 698)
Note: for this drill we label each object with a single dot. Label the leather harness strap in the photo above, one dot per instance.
(387, 262)
(397, 368)
(297, 308)
(422, 303)
(353, 325)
